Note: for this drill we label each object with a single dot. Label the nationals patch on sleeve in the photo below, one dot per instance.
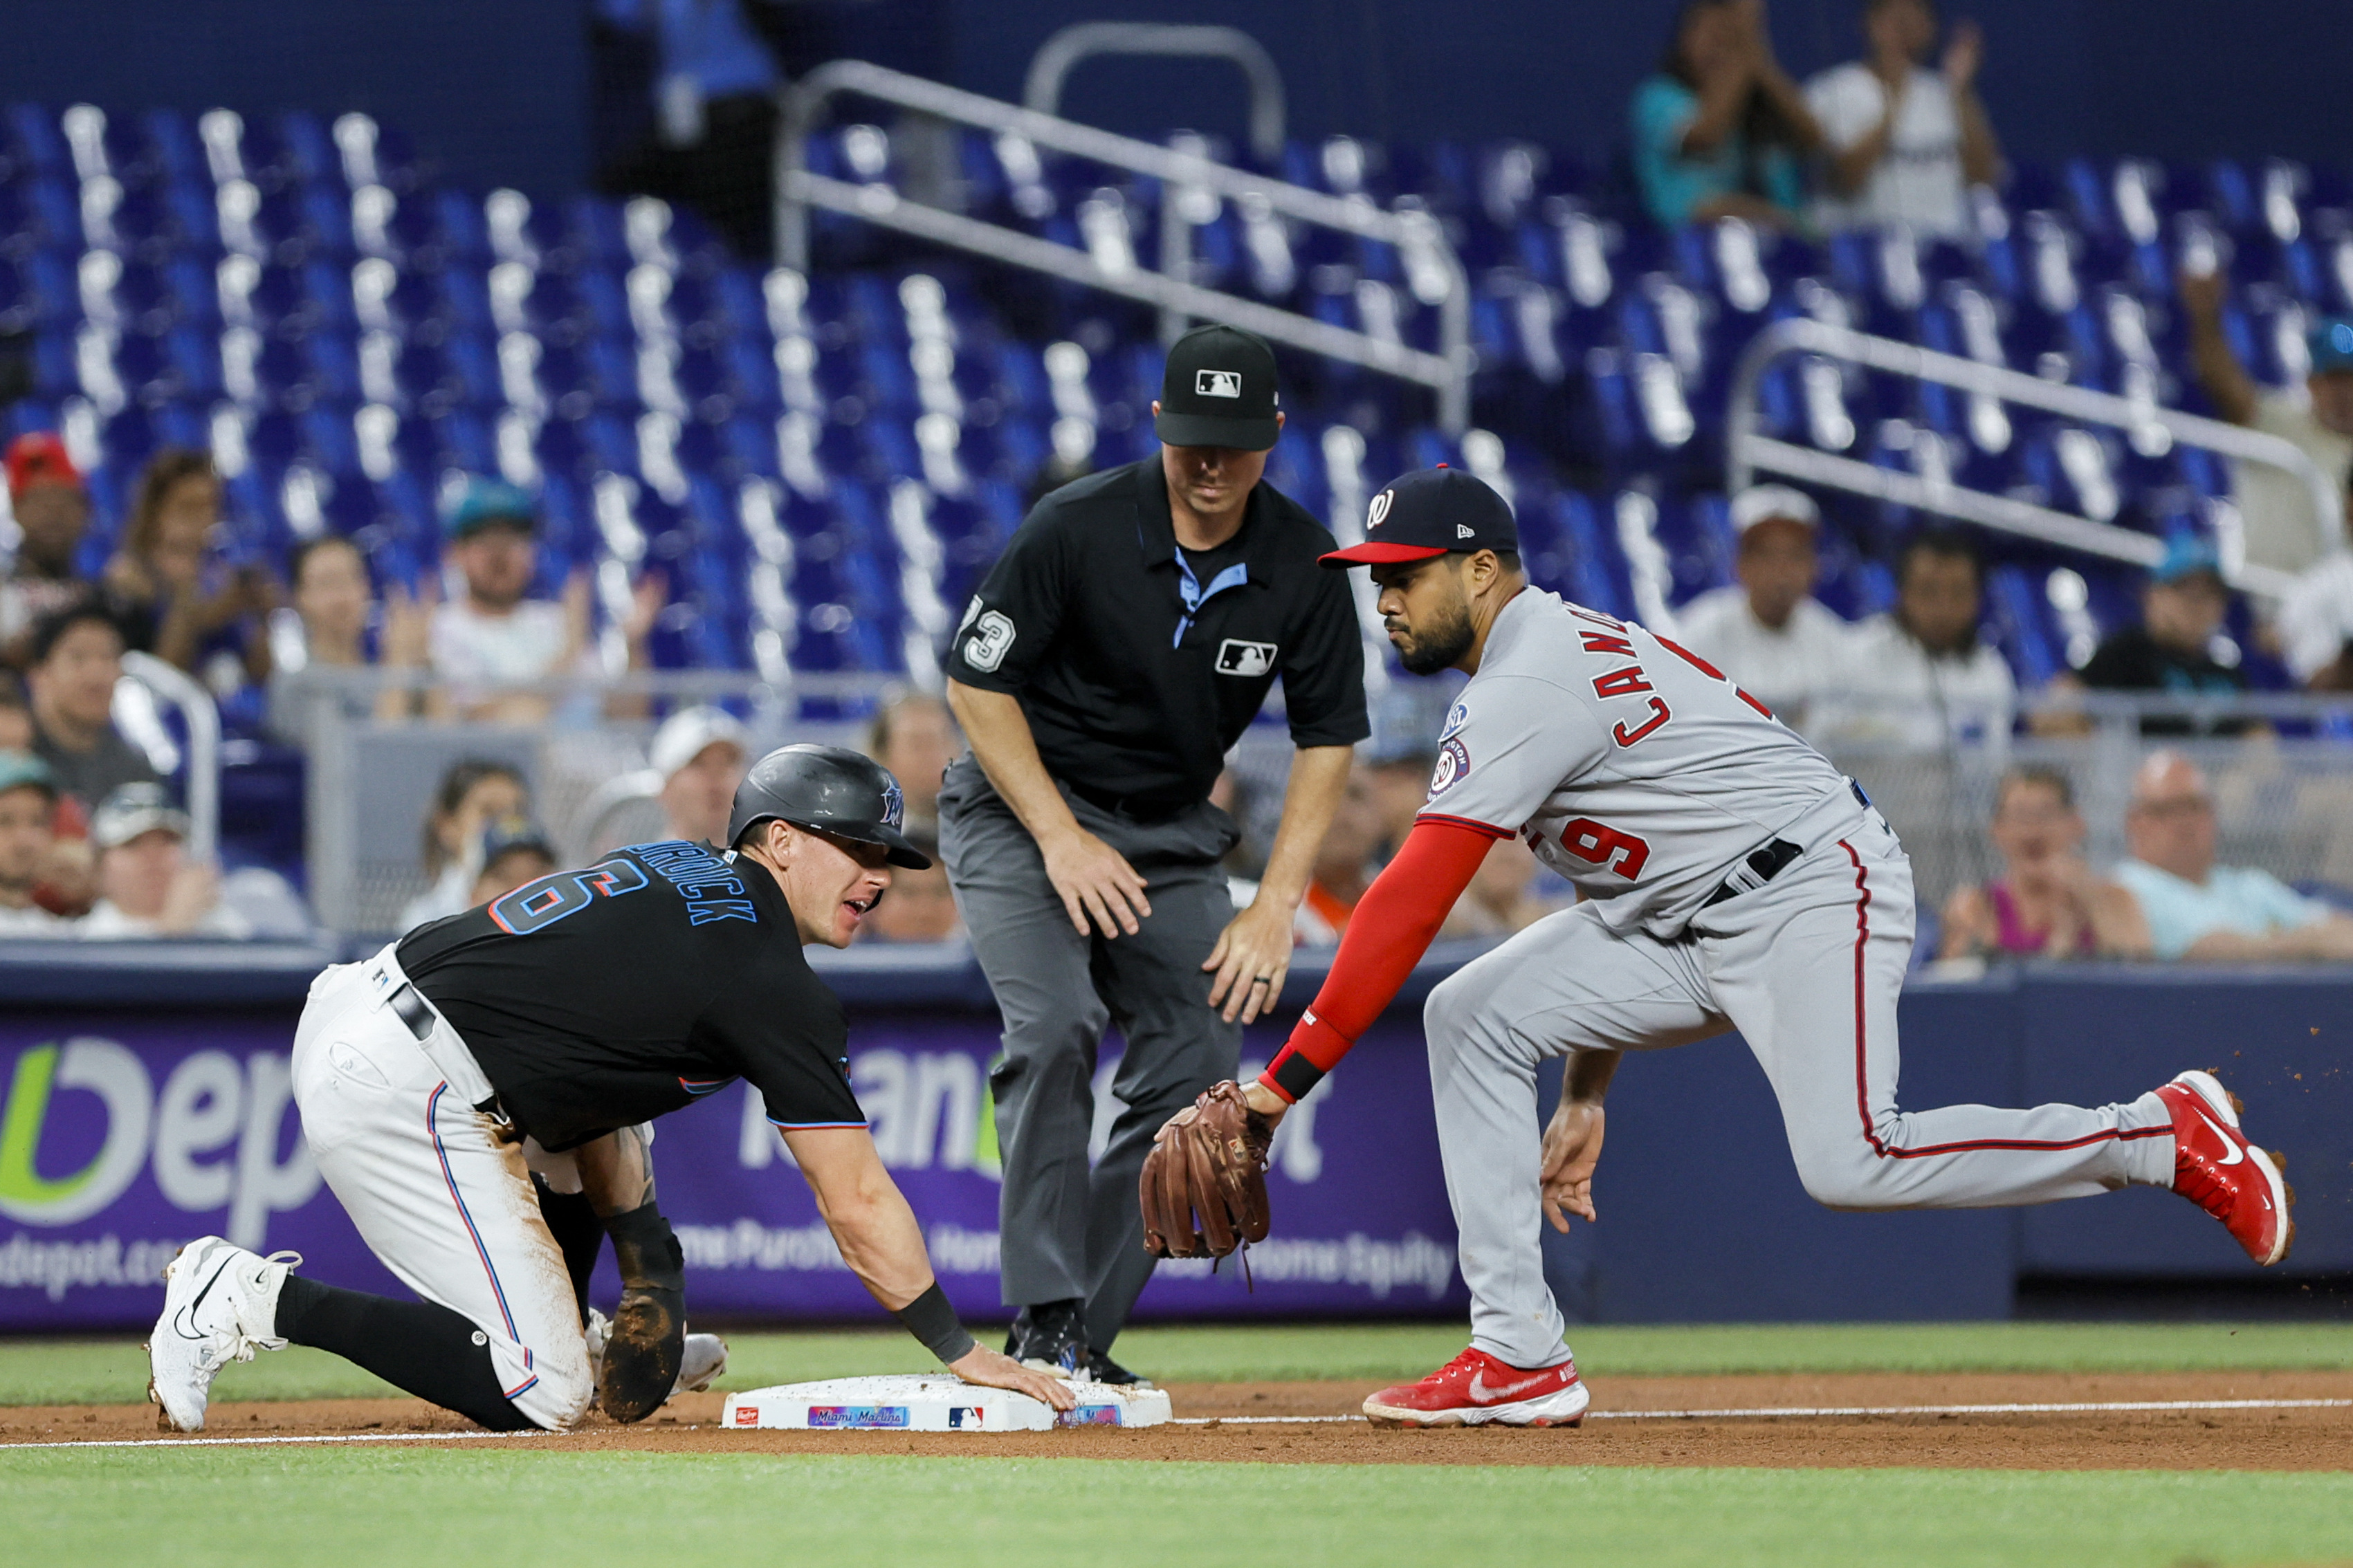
(1453, 767)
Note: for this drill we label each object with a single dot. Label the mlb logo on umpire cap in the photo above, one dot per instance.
(1219, 390)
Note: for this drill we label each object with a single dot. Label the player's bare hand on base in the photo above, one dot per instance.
(995, 1369)
(1095, 882)
(1572, 1147)
(1251, 957)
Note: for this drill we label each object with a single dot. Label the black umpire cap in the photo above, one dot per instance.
(826, 789)
(1429, 512)
(1219, 391)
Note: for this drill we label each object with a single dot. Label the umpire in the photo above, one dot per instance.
(1118, 649)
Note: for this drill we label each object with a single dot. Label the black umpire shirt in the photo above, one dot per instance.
(1134, 697)
(604, 997)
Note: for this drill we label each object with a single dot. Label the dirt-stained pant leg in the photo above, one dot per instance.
(1808, 968)
(1566, 983)
(1037, 967)
(446, 1205)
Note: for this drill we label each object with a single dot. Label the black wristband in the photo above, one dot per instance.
(934, 1323)
(646, 1248)
(1296, 1073)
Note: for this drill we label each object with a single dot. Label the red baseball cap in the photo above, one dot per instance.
(37, 457)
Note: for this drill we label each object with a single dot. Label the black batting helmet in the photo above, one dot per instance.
(831, 789)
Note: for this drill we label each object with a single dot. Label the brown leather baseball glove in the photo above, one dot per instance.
(1204, 1182)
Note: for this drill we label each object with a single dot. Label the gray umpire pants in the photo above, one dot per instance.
(1065, 1231)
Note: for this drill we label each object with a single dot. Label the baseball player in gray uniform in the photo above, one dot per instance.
(1731, 879)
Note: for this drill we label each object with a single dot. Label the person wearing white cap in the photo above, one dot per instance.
(699, 753)
(1768, 631)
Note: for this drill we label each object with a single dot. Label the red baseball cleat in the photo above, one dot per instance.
(2216, 1168)
(1474, 1388)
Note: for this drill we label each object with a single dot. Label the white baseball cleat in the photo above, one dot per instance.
(700, 1361)
(220, 1305)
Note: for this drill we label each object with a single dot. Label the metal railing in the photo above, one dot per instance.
(1748, 449)
(1415, 234)
(1050, 67)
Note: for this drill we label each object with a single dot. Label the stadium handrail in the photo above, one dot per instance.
(1748, 449)
(1069, 46)
(170, 684)
(798, 188)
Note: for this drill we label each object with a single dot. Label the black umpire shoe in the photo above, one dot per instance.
(1100, 1368)
(1050, 1337)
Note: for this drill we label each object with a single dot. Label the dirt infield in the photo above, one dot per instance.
(2268, 1437)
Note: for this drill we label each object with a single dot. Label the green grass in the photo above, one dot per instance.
(76, 1372)
(392, 1507)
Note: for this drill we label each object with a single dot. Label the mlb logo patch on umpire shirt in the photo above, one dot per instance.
(1218, 384)
(1235, 657)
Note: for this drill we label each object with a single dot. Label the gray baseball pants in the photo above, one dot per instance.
(1807, 968)
(1065, 1231)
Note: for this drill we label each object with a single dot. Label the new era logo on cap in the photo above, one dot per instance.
(1218, 383)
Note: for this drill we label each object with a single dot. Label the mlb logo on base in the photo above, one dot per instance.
(1218, 383)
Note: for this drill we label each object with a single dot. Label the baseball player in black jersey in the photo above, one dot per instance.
(536, 1036)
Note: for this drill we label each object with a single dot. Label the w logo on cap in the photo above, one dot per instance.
(1378, 511)
(1218, 383)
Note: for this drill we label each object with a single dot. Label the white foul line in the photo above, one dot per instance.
(1788, 1411)
(1818, 1411)
(6, 1446)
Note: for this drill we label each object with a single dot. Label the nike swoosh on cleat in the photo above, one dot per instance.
(2229, 1142)
(189, 1311)
(1484, 1394)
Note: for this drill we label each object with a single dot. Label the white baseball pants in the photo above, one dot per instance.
(1807, 968)
(436, 1194)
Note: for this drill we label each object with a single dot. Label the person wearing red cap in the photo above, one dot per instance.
(52, 509)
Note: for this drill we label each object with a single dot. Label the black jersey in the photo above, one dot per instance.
(603, 997)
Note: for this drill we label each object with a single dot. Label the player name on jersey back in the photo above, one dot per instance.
(1631, 765)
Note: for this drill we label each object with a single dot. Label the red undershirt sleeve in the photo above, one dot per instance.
(1386, 935)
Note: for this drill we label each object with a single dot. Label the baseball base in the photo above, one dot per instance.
(914, 1402)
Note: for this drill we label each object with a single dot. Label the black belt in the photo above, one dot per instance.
(1135, 807)
(414, 1010)
(1761, 867)
(1763, 864)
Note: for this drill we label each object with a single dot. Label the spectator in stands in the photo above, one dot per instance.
(1720, 130)
(920, 905)
(173, 601)
(2203, 912)
(914, 736)
(2316, 624)
(16, 714)
(1344, 866)
(514, 850)
(1904, 142)
(1500, 899)
(2172, 651)
(2275, 505)
(472, 794)
(148, 885)
(1921, 674)
(699, 753)
(2047, 902)
(28, 808)
(76, 655)
(495, 635)
(1768, 632)
(52, 510)
(1399, 774)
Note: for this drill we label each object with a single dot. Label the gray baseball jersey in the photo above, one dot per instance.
(1631, 765)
